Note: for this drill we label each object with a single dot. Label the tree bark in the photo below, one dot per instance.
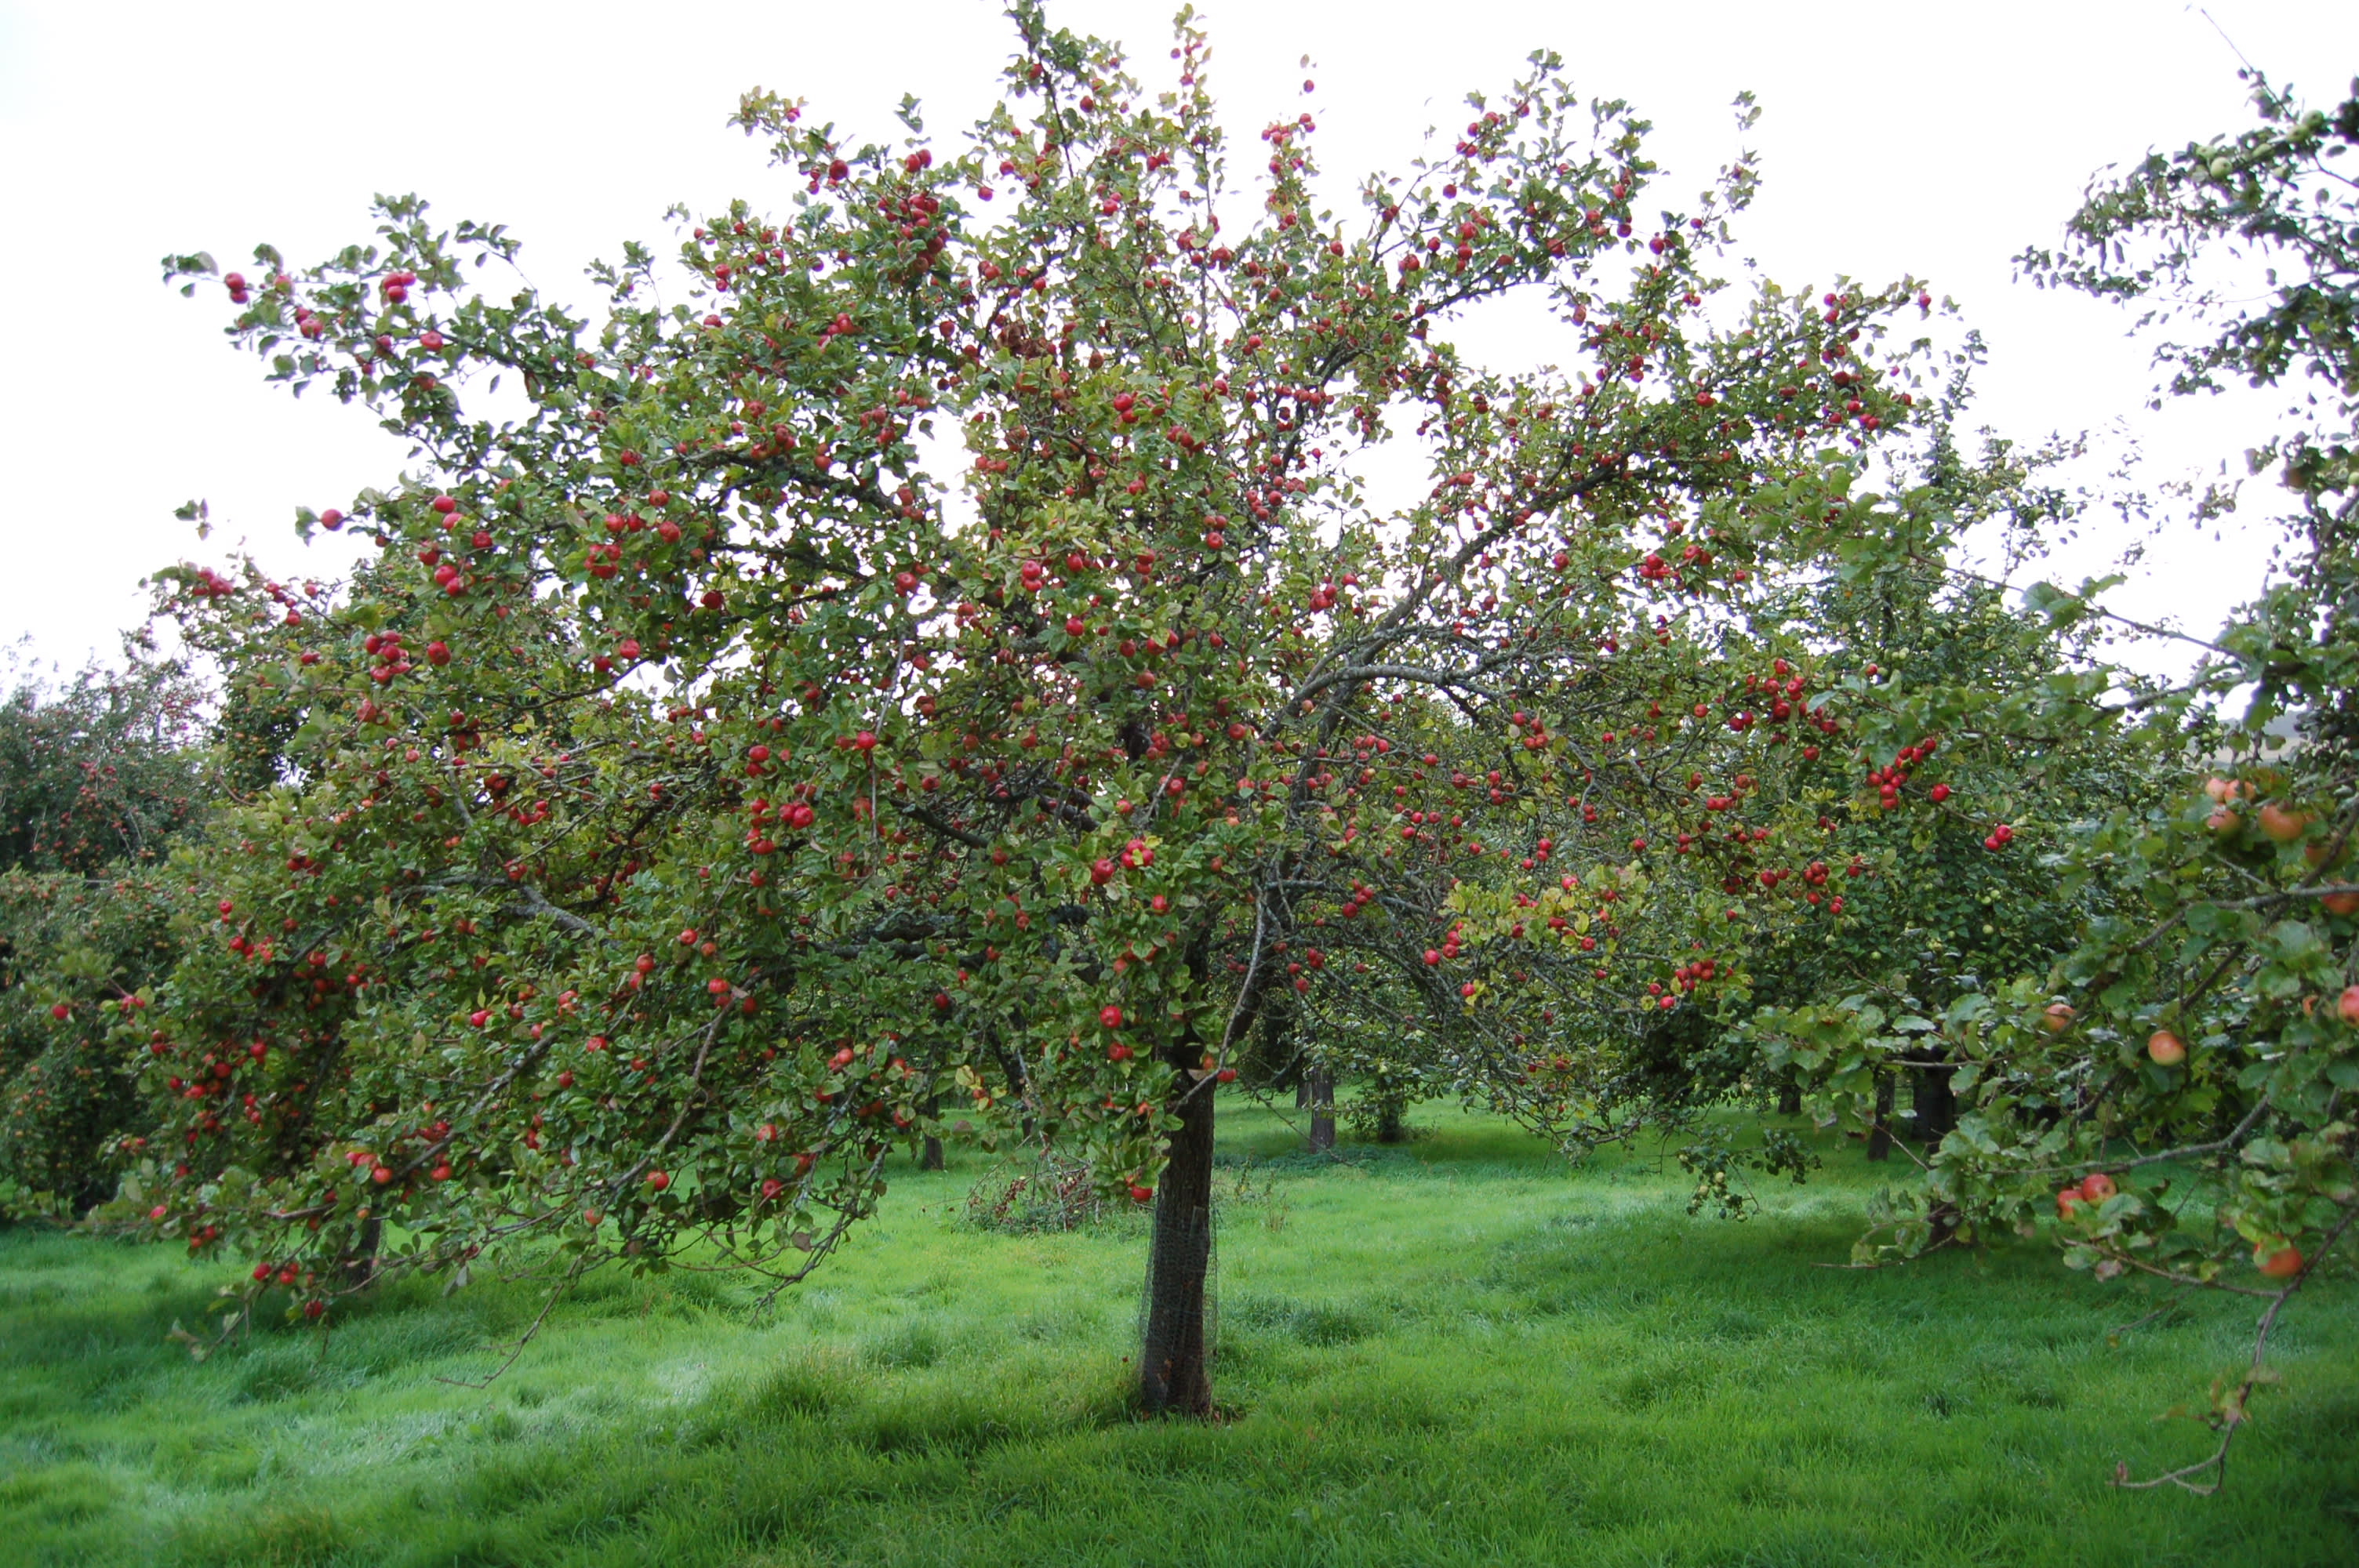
(1789, 1093)
(1175, 1373)
(1319, 1088)
(1879, 1135)
(1390, 1127)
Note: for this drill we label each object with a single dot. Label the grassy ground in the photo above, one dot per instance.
(1452, 1354)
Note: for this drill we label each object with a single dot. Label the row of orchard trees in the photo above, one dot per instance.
(948, 675)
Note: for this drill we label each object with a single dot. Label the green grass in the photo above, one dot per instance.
(1457, 1353)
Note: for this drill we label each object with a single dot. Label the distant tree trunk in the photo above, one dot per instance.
(1269, 1058)
(930, 1153)
(1020, 1083)
(1318, 1086)
(360, 1263)
(1936, 1106)
(1879, 1136)
(1789, 1093)
(1390, 1127)
(1174, 1368)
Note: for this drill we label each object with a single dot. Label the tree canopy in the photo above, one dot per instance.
(956, 655)
(932, 656)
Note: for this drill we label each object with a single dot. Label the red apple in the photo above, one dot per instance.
(2057, 1017)
(2167, 1049)
(2348, 1006)
(2278, 1262)
(2097, 1186)
(2283, 826)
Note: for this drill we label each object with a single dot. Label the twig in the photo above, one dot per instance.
(2232, 1412)
(580, 1261)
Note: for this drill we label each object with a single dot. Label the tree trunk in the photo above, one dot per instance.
(360, 1263)
(1390, 1127)
(1174, 1367)
(1936, 1106)
(930, 1153)
(1879, 1135)
(1318, 1086)
(1789, 1093)
(1019, 1084)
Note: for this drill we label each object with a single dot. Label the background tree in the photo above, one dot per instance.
(2179, 1087)
(1944, 905)
(100, 769)
(703, 778)
(97, 775)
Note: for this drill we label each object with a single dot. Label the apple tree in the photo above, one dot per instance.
(929, 655)
(98, 776)
(1955, 804)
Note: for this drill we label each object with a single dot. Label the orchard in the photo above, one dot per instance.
(927, 660)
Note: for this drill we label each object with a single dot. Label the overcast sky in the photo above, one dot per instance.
(1938, 139)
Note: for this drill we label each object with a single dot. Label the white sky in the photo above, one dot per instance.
(1938, 139)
